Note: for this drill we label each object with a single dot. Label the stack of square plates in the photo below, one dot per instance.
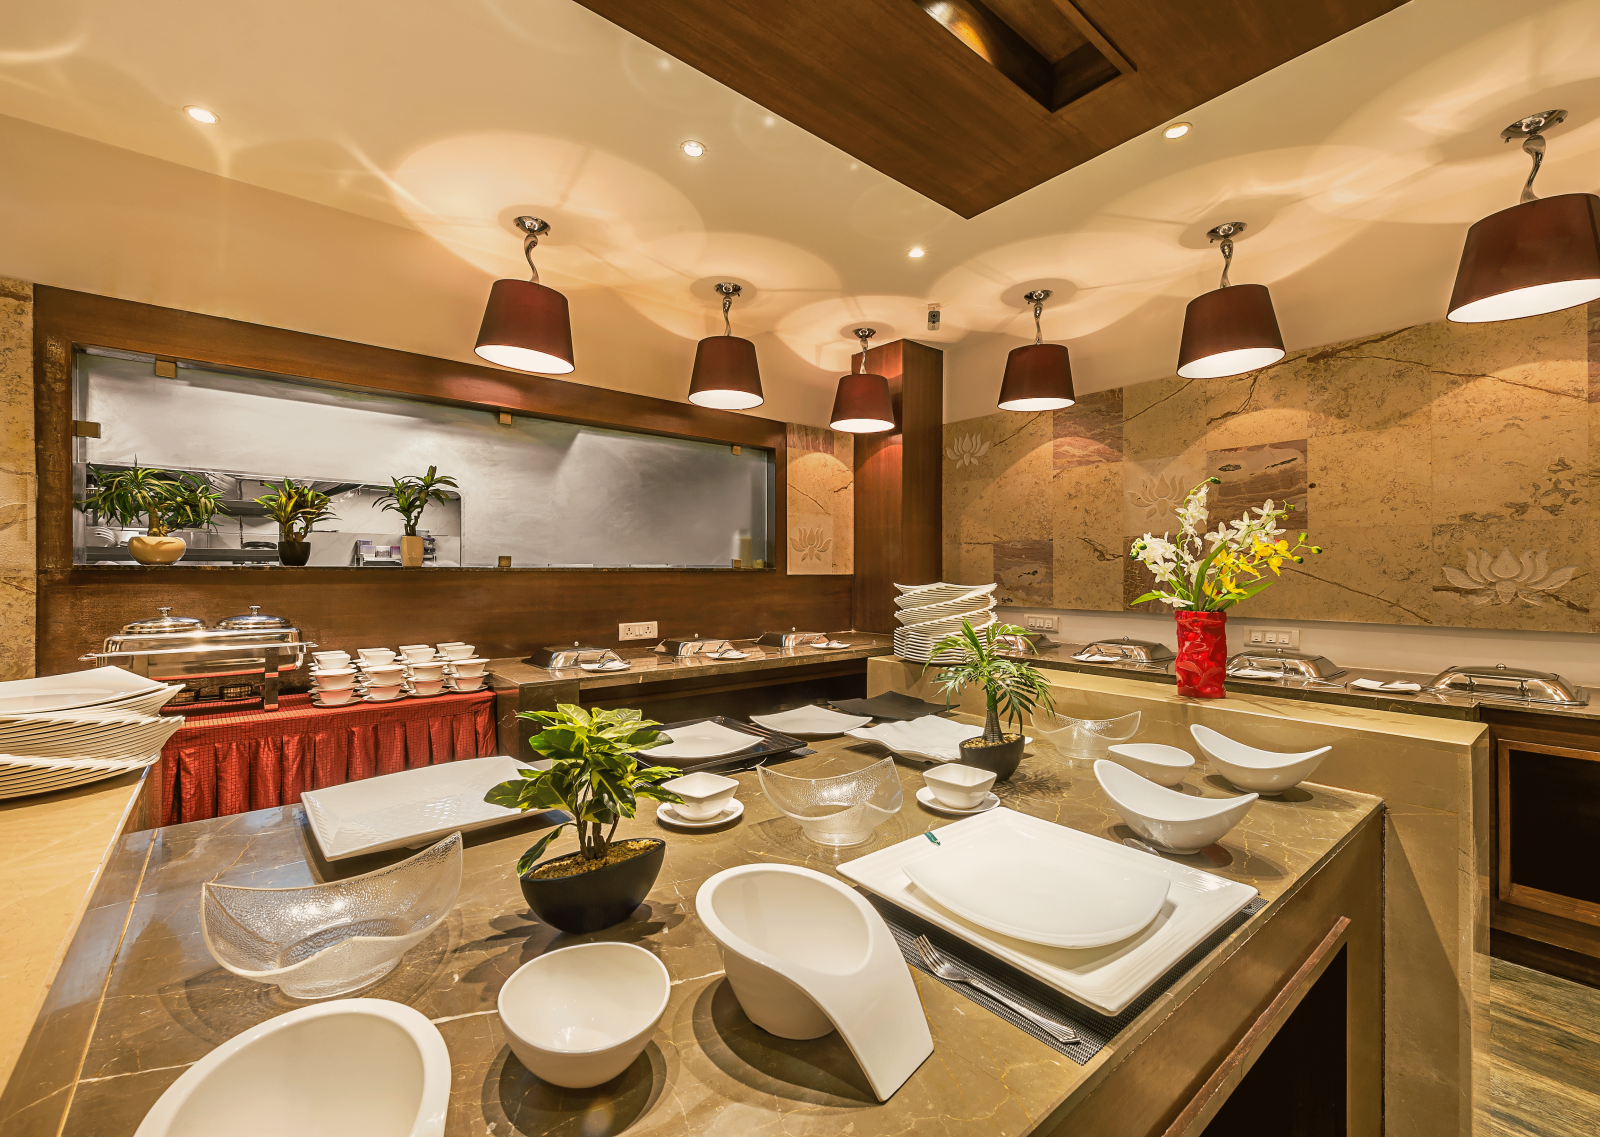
(930, 612)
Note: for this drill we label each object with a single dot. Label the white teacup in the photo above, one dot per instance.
(336, 679)
(331, 658)
(427, 686)
(427, 671)
(376, 654)
(384, 694)
(468, 682)
(456, 651)
(386, 674)
(416, 652)
(704, 795)
(333, 696)
(474, 666)
(959, 787)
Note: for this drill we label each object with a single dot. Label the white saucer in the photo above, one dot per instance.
(925, 796)
(430, 694)
(831, 646)
(669, 816)
(370, 699)
(730, 655)
(316, 702)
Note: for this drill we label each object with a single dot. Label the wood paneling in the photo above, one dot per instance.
(899, 489)
(971, 119)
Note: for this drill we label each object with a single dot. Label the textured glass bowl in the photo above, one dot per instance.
(330, 939)
(1086, 738)
(841, 810)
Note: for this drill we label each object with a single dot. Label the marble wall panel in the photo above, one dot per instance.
(821, 501)
(1025, 571)
(1088, 556)
(18, 481)
(1251, 475)
(1088, 433)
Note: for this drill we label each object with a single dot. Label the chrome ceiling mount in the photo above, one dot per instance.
(1225, 233)
(1037, 298)
(533, 228)
(1531, 131)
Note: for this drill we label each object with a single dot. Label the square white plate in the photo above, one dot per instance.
(702, 740)
(811, 721)
(928, 739)
(97, 686)
(1105, 978)
(412, 808)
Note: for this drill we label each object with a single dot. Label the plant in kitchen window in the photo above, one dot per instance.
(166, 501)
(296, 509)
(409, 496)
(1011, 688)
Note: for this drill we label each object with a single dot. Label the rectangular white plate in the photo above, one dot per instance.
(928, 739)
(702, 740)
(1106, 978)
(98, 685)
(811, 720)
(412, 808)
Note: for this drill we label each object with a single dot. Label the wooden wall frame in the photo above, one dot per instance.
(1506, 889)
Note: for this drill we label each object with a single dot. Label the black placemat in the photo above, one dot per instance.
(890, 705)
(1094, 1029)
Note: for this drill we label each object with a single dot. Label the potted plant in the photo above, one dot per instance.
(296, 509)
(166, 501)
(596, 777)
(409, 496)
(1204, 574)
(1011, 689)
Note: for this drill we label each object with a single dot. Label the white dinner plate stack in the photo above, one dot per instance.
(59, 731)
(930, 612)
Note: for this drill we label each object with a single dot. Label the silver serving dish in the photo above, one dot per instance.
(791, 638)
(1133, 651)
(1285, 663)
(697, 646)
(556, 657)
(1514, 684)
(221, 664)
(1023, 643)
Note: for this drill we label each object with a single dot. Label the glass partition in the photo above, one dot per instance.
(541, 492)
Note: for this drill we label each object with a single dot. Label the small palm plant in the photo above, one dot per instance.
(295, 508)
(409, 495)
(1011, 687)
(166, 501)
(594, 775)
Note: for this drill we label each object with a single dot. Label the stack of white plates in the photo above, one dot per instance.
(930, 612)
(100, 690)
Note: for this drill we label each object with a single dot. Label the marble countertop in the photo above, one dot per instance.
(708, 1069)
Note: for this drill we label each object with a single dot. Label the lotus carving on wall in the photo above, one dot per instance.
(1160, 497)
(810, 544)
(1507, 578)
(966, 449)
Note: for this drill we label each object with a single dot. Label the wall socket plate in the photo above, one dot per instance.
(639, 631)
(1040, 623)
(1275, 637)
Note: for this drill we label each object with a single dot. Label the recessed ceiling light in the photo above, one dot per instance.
(693, 149)
(200, 114)
(917, 252)
(1176, 130)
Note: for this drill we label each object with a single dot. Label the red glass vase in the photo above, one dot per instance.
(1202, 653)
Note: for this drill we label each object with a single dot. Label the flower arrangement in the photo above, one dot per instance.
(1212, 571)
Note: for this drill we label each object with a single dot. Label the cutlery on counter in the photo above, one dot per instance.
(944, 969)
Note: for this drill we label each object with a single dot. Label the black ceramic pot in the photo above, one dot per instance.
(294, 553)
(589, 901)
(1001, 757)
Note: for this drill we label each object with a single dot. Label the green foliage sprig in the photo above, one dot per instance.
(1011, 687)
(409, 495)
(166, 501)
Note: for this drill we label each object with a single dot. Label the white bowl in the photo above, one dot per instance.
(1260, 771)
(331, 658)
(385, 694)
(456, 651)
(1164, 765)
(958, 786)
(424, 650)
(468, 682)
(333, 696)
(1178, 821)
(376, 654)
(427, 686)
(384, 673)
(367, 1066)
(704, 795)
(426, 670)
(579, 1016)
(471, 666)
(333, 678)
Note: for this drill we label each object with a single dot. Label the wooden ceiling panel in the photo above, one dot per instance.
(972, 102)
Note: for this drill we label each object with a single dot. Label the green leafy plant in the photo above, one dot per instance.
(295, 508)
(166, 501)
(1011, 687)
(409, 496)
(594, 775)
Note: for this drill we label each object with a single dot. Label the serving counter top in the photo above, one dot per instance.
(708, 1069)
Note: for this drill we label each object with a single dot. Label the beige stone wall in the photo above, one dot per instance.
(18, 483)
(1449, 471)
(821, 496)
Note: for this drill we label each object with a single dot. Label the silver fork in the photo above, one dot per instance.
(944, 969)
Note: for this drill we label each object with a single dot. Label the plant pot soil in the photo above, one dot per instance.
(156, 550)
(588, 899)
(1001, 757)
(411, 550)
(294, 553)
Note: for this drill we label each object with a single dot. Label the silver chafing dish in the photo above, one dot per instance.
(1127, 650)
(243, 657)
(557, 656)
(1511, 684)
(1023, 643)
(791, 638)
(696, 646)
(1284, 663)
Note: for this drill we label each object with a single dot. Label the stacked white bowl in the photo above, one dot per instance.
(380, 674)
(930, 612)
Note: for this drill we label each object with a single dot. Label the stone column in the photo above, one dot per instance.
(19, 483)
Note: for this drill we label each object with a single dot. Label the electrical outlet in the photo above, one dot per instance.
(639, 631)
(1275, 637)
(1040, 623)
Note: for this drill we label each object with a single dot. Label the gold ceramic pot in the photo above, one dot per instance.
(156, 550)
(411, 550)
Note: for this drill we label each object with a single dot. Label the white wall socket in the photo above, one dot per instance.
(1275, 637)
(640, 631)
(1040, 623)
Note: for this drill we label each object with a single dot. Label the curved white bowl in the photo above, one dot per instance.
(805, 955)
(1164, 765)
(367, 1066)
(1177, 821)
(579, 1016)
(1259, 771)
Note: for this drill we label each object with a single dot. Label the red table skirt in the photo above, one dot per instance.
(223, 764)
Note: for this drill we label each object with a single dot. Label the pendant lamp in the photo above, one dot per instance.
(1039, 376)
(1231, 329)
(526, 326)
(725, 373)
(862, 405)
(1541, 255)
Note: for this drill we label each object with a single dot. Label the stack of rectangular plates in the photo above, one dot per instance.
(98, 691)
(931, 612)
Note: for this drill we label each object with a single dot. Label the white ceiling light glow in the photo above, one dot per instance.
(693, 149)
(919, 251)
(200, 114)
(1176, 130)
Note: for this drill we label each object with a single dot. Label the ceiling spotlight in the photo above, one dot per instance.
(919, 251)
(862, 404)
(1039, 376)
(693, 149)
(526, 325)
(725, 371)
(1231, 329)
(1176, 130)
(200, 114)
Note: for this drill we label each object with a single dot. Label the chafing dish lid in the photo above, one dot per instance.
(252, 621)
(166, 622)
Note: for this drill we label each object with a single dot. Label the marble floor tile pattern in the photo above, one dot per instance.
(1544, 1077)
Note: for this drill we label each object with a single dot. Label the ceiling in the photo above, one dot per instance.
(1357, 165)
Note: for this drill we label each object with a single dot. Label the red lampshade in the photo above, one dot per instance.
(526, 326)
(726, 375)
(862, 405)
(1540, 256)
(1229, 331)
(1038, 378)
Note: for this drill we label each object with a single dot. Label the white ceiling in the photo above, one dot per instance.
(1357, 166)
